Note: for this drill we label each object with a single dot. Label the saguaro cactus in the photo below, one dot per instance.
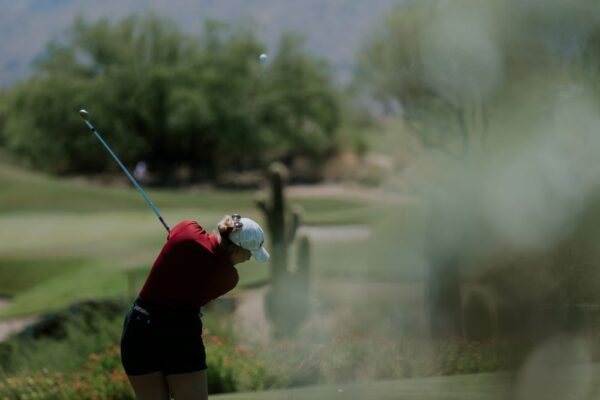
(281, 234)
(300, 291)
(283, 296)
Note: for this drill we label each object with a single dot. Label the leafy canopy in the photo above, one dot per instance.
(204, 103)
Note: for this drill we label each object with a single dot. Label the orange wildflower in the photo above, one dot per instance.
(79, 385)
(216, 341)
(118, 376)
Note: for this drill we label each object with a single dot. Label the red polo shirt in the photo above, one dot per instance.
(190, 270)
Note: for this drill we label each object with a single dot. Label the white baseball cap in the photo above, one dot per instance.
(250, 237)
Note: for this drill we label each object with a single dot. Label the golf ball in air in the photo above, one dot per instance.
(263, 57)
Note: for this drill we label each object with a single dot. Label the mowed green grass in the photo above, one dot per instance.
(63, 240)
(23, 191)
(26, 191)
(20, 275)
(568, 383)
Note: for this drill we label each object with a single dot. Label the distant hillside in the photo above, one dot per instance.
(333, 28)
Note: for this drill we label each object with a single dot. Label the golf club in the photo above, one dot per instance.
(84, 114)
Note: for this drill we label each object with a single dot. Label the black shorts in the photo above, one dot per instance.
(155, 339)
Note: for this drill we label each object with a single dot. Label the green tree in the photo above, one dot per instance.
(204, 103)
(439, 65)
(295, 126)
(447, 66)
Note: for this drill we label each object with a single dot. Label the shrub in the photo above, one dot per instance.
(286, 363)
(40, 385)
(230, 368)
(234, 368)
(63, 344)
(347, 358)
(101, 378)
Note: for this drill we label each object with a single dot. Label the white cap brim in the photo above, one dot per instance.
(261, 255)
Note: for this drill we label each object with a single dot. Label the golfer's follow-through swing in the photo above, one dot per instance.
(161, 346)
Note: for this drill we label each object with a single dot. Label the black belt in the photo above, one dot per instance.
(148, 309)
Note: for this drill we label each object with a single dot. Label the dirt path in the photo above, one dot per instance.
(12, 325)
(336, 233)
(250, 320)
(377, 195)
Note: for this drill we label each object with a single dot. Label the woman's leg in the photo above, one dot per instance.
(151, 386)
(188, 386)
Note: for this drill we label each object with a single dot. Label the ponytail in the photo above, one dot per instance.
(226, 226)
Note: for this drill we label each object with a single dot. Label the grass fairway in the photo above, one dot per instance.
(63, 240)
(17, 275)
(566, 383)
(25, 192)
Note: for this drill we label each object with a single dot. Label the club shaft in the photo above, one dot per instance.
(131, 178)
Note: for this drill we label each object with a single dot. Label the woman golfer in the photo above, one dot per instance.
(161, 346)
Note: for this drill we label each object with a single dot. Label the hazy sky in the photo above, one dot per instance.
(333, 28)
